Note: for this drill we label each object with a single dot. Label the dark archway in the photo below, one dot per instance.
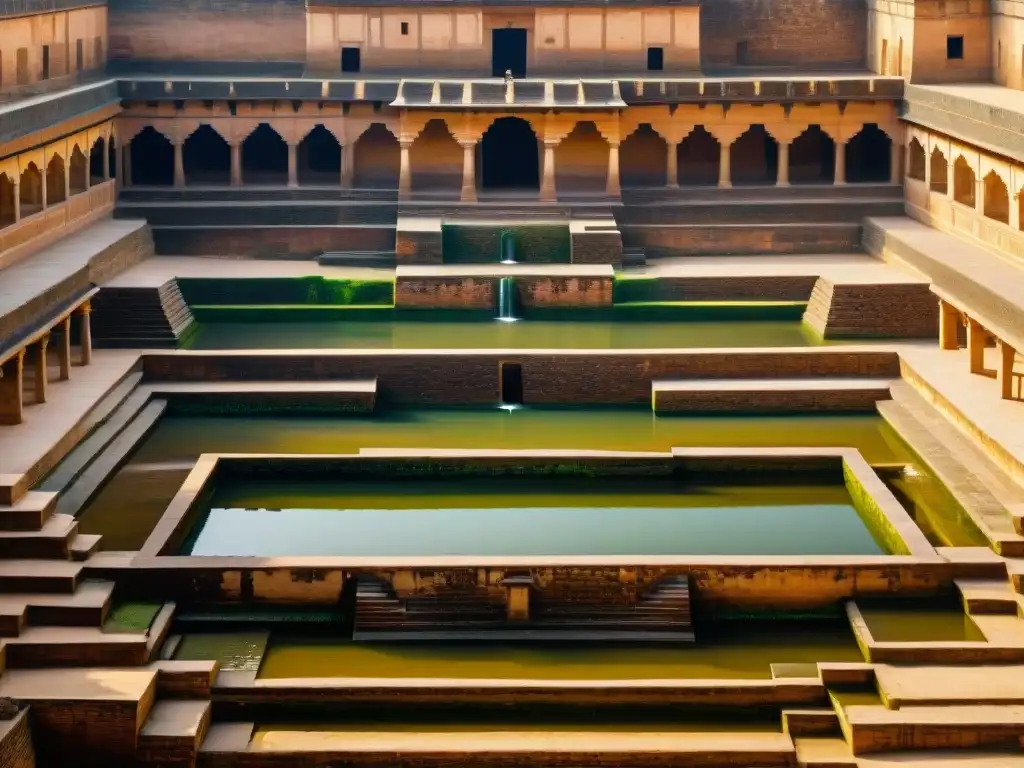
(265, 157)
(964, 183)
(206, 157)
(56, 192)
(916, 161)
(7, 216)
(642, 158)
(96, 161)
(435, 159)
(30, 192)
(755, 157)
(152, 158)
(377, 159)
(868, 155)
(939, 172)
(697, 159)
(812, 157)
(509, 153)
(997, 198)
(78, 170)
(320, 158)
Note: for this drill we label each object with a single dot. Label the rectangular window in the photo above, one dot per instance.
(46, 63)
(405, 27)
(22, 72)
(79, 55)
(954, 47)
(655, 59)
(349, 59)
(742, 53)
(511, 375)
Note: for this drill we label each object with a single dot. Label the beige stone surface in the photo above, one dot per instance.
(836, 267)
(937, 685)
(77, 684)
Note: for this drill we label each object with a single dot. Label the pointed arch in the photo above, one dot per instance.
(939, 172)
(509, 155)
(265, 157)
(78, 172)
(964, 183)
(642, 158)
(868, 156)
(377, 158)
(152, 158)
(997, 198)
(96, 154)
(206, 157)
(916, 161)
(698, 156)
(55, 190)
(812, 157)
(31, 190)
(319, 158)
(581, 160)
(7, 212)
(435, 159)
(755, 157)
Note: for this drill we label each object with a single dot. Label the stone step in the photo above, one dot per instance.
(186, 679)
(87, 607)
(357, 258)
(174, 730)
(878, 729)
(85, 545)
(835, 395)
(39, 647)
(29, 513)
(819, 752)
(983, 596)
(53, 540)
(49, 576)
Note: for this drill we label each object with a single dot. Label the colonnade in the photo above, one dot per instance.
(1011, 384)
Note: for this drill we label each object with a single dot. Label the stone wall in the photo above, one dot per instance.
(897, 310)
(725, 288)
(23, 38)
(597, 247)
(584, 377)
(271, 242)
(934, 20)
(794, 33)
(738, 239)
(16, 743)
(415, 246)
(535, 244)
(482, 292)
(208, 30)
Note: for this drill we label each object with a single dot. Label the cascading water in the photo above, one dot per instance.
(507, 248)
(506, 300)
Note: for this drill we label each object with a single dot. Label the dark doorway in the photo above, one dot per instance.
(511, 384)
(350, 60)
(508, 52)
(207, 158)
(510, 155)
(264, 157)
(152, 159)
(868, 155)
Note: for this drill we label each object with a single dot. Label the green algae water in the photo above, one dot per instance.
(908, 624)
(128, 507)
(524, 334)
(528, 517)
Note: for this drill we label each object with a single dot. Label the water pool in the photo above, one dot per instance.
(497, 517)
(522, 334)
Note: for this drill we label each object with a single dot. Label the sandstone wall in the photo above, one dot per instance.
(22, 40)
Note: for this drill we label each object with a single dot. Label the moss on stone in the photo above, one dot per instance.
(873, 515)
(310, 290)
(132, 617)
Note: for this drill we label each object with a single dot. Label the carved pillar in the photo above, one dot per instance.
(179, 164)
(1007, 354)
(949, 325)
(1014, 210)
(612, 187)
(40, 368)
(725, 165)
(404, 171)
(106, 159)
(12, 400)
(293, 165)
(236, 164)
(782, 177)
(548, 193)
(42, 186)
(17, 200)
(895, 164)
(86, 333)
(67, 180)
(976, 338)
(672, 165)
(840, 174)
(468, 194)
(64, 350)
(347, 166)
(949, 177)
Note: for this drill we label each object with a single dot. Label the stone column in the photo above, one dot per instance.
(12, 400)
(979, 194)
(468, 194)
(64, 350)
(548, 193)
(86, 333)
(612, 187)
(840, 175)
(672, 165)
(67, 180)
(42, 186)
(347, 166)
(1007, 354)
(40, 368)
(88, 176)
(293, 165)
(976, 338)
(106, 159)
(1014, 212)
(404, 172)
(236, 164)
(949, 325)
(782, 176)
(725, 164)
(179, 164)
(17, 200)
(126, 163)
(895, 164)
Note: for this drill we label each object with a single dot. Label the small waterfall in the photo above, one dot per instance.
(507, 248)
(506, 300)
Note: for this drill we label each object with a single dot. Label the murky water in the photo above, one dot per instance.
(523, 334)
(907, 624)
(741, 651)
(128, 507)
(236, 651)
(523, 517)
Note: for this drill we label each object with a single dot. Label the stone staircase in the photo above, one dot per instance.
(634, 256)
(892, 310)
(140, 317)
(379, 610)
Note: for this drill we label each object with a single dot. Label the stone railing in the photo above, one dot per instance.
(42, 228)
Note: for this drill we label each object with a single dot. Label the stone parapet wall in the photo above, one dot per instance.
(739, 239)
(597, 247)
(724, 288)
(16, 749)
(895, 310)
(271, 242)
